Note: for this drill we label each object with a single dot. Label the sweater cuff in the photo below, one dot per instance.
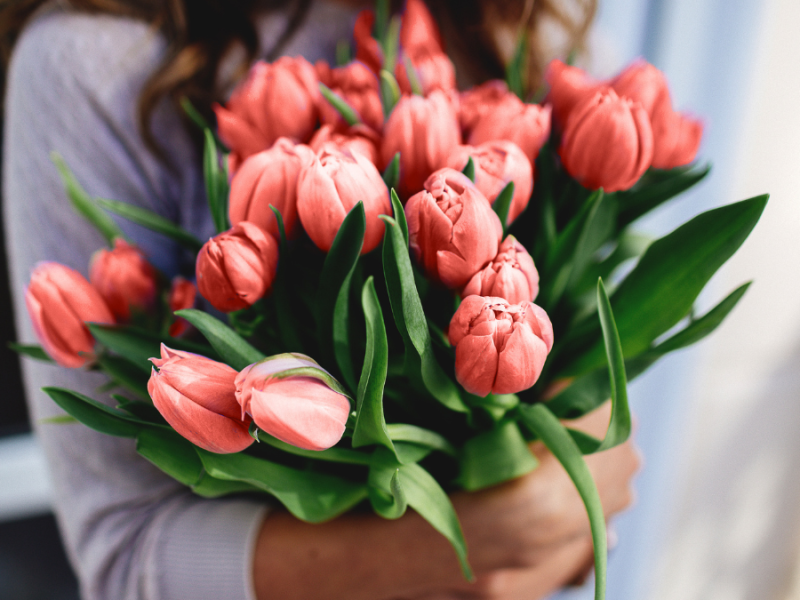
(205, 550)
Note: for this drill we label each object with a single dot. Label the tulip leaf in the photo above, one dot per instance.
(84, 205)
(211, 487)
(495, 456)
(381, 24)
(400, 215)
(310, 496)
(199, 120)
(502, 204)
(344, 53)
(129, 375)
(370, 425)
(172, 453)
(287, 319)
(619, 426)
(628, 245)
(654, 189)
(96, 415)
(516, 69)
(153, 221)
(385, 490)
(347, 112)
(401, 432)
(469, 169)
(391, 44)
(548, 428)
(413, 76)
(390, 92)
(140, 409)
(340, 455)
(216, 183)
(341, 334)
(663, 286)
(334, 282)
(410, 318)
(232, 348)
(391, 176)
(31, 351)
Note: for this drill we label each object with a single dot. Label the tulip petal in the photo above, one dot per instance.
(520, 362)
(476, 364)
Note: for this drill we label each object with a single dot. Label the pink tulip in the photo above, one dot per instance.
(237, 267)
(424, 131)
(568, 86)
(478, 100)
(511, 275)
(293, 399)
(276, 100)
(124, 278)
(368, 50)
(453, 231)
(269, 177)
(527, 125)
(358, 86)
(182, 295)
(434, 70)
(333, 184)
(608, 142)
(197, 396)
(496, 164)
(60, 302)
(500, 347)
(358, 138)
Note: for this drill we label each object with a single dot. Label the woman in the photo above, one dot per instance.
(96, 80)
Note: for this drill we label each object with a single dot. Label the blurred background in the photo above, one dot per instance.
(718, 511)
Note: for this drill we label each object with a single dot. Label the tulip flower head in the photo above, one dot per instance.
(124, 278)
(527, 125)
(608, 142)
(511, 275)
(496, 164)
(358, 138)
(332, 184)
(477, 101)
(197, 396)
(500, 347)
(568, 86)
(237, 267)
(424, 131)
(357, 85)
(292, 398)
(60, 302)
(182, 295)
(452, 230)
(278, 99)
(269, 177)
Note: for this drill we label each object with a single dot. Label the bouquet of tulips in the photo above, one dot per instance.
(382, 240)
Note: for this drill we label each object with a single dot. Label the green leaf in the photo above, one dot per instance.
(517, 70)
(309, 496)
(172, 453)
(391, 176)
(370, 425)
(495, 456)
(469, 169)
(341, 334)
(199, 120)
(548, 428)
(231, 347)
(347, 112)
(382, 12)
(128, 374)
(153, 221)
(216, 184)
(339, 455)
(140, 409)
(344, 53)
(94, 414)
(502, 204)
(413, 76)
(619, 427)
(655, 188)
(385, 490)
(59, 420)
(390, 92)
(410, 318)
(211, 487)
(660, 291)
(83, 203)
(401, 432)
(287, 322)
(31, 351)
(400, 215)
(391, 44)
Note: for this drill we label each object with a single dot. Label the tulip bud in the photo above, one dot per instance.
(182, 295)
(452, 230)
(60, 302)
(358, 138)
(368, 50)
(568, 86)
(277, 99)
(424, 131)
(358, 86)
(333, 184)
(527, 125)
(608, 142)
(237, 267)
(124, 278)
(269, 177)
(511, 275)
(477, 101)
(197, 396)
(500, 347)
(292, 398)
(434, 70)
(496, 164)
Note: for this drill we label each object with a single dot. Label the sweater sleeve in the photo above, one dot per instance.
(72, 87)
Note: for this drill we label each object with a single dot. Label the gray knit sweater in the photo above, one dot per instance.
(73, 85)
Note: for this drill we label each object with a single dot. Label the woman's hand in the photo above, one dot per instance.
(528, 536)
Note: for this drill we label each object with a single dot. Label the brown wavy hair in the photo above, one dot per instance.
(199, 33)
